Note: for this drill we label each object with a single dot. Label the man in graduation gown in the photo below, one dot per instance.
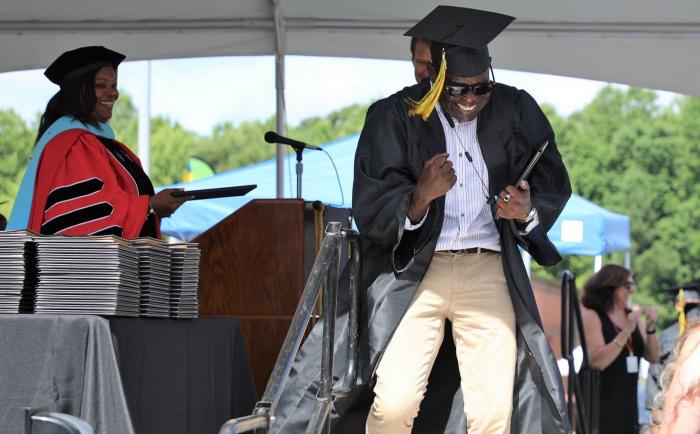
(440, 227)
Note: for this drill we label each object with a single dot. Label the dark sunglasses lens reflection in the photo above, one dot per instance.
(478, 89)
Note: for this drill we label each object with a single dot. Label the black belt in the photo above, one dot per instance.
(471, 251)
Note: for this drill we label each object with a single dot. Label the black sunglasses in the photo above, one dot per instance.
(458, 90)
(478, 88)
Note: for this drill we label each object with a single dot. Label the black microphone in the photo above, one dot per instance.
(450, 121)
(272, 137)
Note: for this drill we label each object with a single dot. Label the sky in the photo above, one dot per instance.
(202, 92)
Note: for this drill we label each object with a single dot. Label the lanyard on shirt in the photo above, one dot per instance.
(628, 344)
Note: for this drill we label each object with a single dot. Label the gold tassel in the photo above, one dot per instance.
(680, 307)
(426, 105)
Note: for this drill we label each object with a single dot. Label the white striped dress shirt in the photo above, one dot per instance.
(468, 221)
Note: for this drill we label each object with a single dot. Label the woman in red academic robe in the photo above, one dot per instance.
(81, 181)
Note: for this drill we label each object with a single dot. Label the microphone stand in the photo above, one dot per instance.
(272, 137)
(300, 168)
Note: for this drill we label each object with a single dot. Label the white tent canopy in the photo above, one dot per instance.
(638, 42)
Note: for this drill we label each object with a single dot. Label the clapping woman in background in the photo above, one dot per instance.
(617, 337)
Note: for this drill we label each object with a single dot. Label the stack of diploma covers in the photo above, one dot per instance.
(184, 280)
(154, 274)
(17, 271)
(87, 275)
(97, 275)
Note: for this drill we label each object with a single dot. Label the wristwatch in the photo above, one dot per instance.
(530, 216)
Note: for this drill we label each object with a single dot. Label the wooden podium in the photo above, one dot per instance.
(254, 265)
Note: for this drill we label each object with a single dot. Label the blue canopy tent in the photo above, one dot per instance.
(583, 228)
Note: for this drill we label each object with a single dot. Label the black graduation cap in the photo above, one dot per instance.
(464, 34)
(685, 301)
(691, 292)
(81, 60)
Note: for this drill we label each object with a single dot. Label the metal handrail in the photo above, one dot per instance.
(326, 266)
(49, 421)
(355, 283)
(570, 312)
(320, 421)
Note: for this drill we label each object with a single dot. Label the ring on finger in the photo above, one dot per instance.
(506, 197)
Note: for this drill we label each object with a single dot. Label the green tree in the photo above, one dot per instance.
(171, 144)
(171, 148)
(233, 146)
(125, 121)
(629, 154)
(336, 125)
(16, 145)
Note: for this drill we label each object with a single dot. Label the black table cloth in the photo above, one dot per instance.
(183, 376)
(125, 375)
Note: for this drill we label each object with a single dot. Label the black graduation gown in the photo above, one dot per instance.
(392, 150)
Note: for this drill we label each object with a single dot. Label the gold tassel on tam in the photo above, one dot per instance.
(425, 106)
(680, 308)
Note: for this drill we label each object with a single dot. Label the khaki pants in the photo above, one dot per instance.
(471, 291)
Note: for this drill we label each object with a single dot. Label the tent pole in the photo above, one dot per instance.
(144, 131)
(598, 263)
(628, 259)
(279, 88)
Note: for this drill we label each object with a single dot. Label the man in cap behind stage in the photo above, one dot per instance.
(687, 302)
(440, 226)
(437, 245)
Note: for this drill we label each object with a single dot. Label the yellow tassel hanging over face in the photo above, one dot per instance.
(426, 105)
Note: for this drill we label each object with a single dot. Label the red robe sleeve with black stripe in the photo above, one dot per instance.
(81, 189)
